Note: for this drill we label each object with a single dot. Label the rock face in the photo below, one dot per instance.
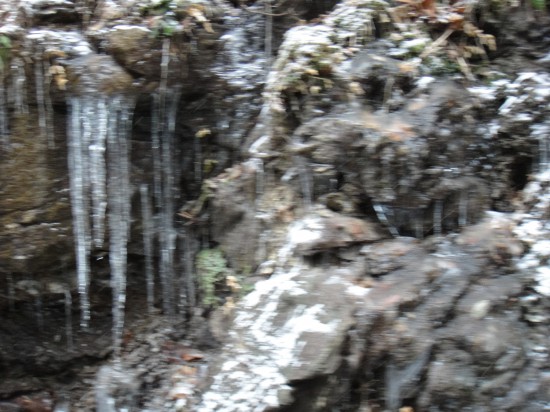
(436, 323)
(429, 330)
(381, 193)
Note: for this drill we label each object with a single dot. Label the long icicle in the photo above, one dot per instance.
(98, 172)
(148, 234)
(78, 173)
(119, 210)
(48, 105)
(155, 146)
(19, 86)
(40, 96)
(167, 108)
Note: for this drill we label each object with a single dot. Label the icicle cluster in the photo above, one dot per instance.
(99, 136)
(166, 176)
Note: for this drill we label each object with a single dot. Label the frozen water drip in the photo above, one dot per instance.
(148, 236)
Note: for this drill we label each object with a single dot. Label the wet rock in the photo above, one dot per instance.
(345, 316)
(451, 379)
(387, 256)
(491, 296)
(290, 329)
(493, 237)
(233, 219)
(97, 73)
(327, 230)
(134, 47)
(35, 217)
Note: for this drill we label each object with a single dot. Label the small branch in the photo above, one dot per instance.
(435, 45)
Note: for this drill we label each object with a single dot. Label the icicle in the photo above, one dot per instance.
(167, 270)
(119, 210)
(189, 270)
(463, 209)
(183, 300)
(258, 166)
(19, 86)
(268, 39)
(261, 251)
(93, 123)
(172, 112)
(438, 217)
(148, 234)
(40, 96)
(155, 146)
(69, 319)
(48, 105)
(166, 178)
(164, 69)
(167, 235)
(260, 178)
(382, 217)
(79, 184)
(99, 113)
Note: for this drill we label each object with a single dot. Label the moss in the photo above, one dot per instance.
(217, 281)
(211, 270)
(441, 66)
(5, 51)
(538, 4)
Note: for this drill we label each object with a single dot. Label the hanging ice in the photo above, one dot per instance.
(166, 172)
(99, 125)
(381, 213)
(19, 86)
(80, 203)
(97, 108)
(43, 100)
(148, 235)
(119, 208)
(187, 279)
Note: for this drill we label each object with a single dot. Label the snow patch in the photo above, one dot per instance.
(543, 278)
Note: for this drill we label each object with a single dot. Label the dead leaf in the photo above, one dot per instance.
(192, 356)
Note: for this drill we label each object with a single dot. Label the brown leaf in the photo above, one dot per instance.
(191, 357)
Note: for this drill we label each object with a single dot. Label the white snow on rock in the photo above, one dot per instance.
(285, 329)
